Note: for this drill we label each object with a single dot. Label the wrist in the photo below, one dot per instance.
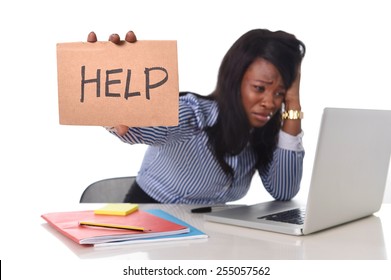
(292, 115)
(292, 105)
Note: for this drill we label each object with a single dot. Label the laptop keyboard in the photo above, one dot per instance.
(293, 216)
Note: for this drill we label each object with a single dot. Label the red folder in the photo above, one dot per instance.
(68, 224)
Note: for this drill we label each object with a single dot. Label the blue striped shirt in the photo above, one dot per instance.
(179, 167)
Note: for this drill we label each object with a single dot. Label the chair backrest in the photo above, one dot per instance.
(112, 190)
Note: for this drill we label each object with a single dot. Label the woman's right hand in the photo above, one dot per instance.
(130, 37)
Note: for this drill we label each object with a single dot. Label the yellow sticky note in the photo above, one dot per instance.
(117, 209)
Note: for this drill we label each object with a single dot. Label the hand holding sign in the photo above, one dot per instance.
(114, 38)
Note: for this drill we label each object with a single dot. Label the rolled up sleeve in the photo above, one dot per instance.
(282, 177)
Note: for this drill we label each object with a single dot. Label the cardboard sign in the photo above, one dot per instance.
(134, 84)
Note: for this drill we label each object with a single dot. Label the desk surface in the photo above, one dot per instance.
(368, 238)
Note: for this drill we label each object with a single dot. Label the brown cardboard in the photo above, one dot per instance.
(149, 68)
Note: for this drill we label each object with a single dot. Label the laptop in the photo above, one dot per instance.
(348, 179)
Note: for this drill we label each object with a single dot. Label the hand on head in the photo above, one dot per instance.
(292, 98)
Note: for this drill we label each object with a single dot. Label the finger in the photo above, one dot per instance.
(121, 129)
(130, 37)
(92, 37)
(114, 38)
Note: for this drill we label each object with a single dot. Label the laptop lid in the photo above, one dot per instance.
(348, 178)
(350, 168)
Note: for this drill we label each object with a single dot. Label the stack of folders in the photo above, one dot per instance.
(106, 229)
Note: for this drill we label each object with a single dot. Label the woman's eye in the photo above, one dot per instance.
(280, 93)
(260, 88)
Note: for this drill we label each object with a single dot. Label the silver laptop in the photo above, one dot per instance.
(348, 178)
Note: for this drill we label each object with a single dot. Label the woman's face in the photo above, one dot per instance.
(262, 92)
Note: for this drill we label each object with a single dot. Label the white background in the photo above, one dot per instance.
(42, 163)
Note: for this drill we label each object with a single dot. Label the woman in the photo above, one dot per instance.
(250, 122)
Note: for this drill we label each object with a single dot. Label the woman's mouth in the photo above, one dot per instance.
(262, 117)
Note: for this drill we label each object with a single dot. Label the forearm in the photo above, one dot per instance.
(142, 135)
(282, 177)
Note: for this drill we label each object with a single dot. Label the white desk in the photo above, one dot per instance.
(367, 239)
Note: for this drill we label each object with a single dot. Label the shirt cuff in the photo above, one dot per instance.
(110, 129)
(290, 142)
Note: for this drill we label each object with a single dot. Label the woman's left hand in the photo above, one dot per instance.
(292, 97)
(292, 102)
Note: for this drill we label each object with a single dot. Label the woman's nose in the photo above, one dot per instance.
(268, 100)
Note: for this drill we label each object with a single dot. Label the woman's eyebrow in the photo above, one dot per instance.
(263, 81)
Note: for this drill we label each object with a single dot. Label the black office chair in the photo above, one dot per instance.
(112, 190)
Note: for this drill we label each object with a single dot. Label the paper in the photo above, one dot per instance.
(193, 233)
(119, 209)
(134, 84)
(68, 224)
